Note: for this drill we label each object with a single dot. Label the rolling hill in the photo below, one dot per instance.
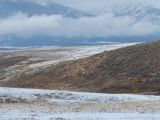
(134, 69)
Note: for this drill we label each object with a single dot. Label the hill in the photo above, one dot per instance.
(134, 69)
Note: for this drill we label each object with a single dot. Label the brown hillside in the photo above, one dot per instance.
(134, 69)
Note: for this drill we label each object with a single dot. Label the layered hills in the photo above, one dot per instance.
(133, 69)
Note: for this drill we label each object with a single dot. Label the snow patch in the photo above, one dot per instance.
(35, 95)
(38, 104)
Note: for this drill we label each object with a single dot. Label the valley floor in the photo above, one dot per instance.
(63, 105)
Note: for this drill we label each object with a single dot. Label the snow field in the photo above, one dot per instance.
(38, 104)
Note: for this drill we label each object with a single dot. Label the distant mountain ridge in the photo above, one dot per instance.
(36, 8)
(147, 12)
(10, 7)
(141, 12)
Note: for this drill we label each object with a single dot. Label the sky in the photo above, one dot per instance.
(106, 25)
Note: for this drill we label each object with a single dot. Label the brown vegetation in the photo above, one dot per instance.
(6, 62)
(134, 69)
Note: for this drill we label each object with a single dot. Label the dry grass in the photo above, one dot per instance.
(7, 62)
(137, 106)
(134, 69)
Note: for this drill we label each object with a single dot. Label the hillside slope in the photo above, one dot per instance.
(134, 69)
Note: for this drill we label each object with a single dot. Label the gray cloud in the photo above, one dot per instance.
(56, 25)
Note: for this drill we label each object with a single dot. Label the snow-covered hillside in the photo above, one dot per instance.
(146, 12)
(62, 105)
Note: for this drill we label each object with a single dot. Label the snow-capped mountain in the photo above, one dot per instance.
(146, 12)
(10, 7)
(74, 27)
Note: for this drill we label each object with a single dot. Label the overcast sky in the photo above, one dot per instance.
(106, 25)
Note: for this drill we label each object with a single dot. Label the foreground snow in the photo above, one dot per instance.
(39, 112)
(50, 104)
(50, 96)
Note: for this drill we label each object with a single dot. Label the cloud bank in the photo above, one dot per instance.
(56, 25)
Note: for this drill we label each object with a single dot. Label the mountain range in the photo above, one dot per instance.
(147, 12)
(138, 12)
(11, 7)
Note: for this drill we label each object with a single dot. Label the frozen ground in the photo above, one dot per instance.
(64, 105)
